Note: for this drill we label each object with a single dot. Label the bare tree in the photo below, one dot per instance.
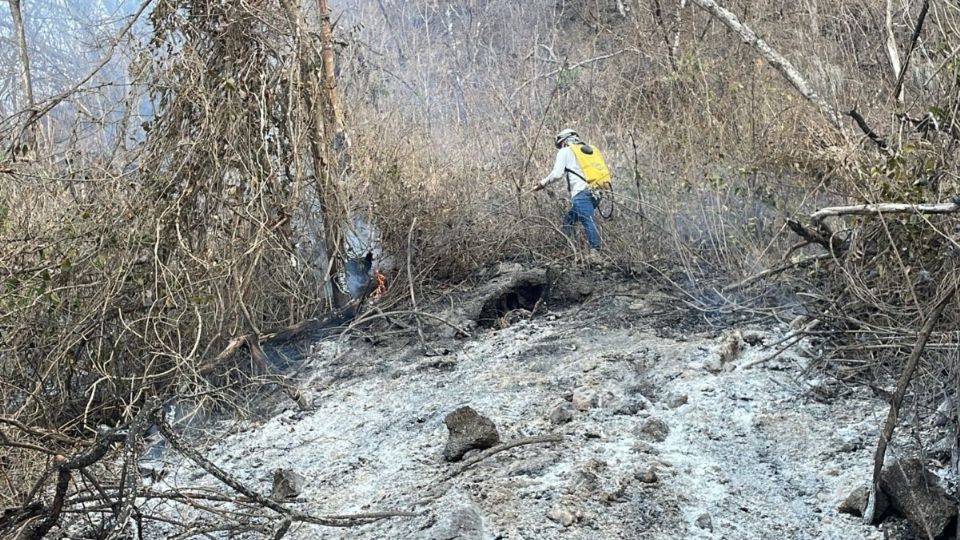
(25, 78)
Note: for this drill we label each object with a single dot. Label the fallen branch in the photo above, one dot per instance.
(885, 208)
(346, 520)
(807, 261)
(869, 514)
(793, 339)
(822, 235)
(94, 454)
(253, 342)
(442, 486)
(542, 439)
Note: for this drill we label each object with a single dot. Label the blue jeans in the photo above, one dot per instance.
(581, 209)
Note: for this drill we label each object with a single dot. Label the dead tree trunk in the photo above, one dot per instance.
(675, 38)
(333, 116)
(25, 78)
(323, 128)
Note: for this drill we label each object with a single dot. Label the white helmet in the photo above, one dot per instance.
(563, 135)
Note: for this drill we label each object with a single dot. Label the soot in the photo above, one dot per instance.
(518, 296)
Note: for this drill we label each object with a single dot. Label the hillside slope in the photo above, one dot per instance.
(660, 438)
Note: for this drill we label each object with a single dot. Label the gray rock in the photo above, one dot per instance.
(705, 522)
(464, 523)
(916, 494)
(643, 447)
(562, 515)
(856, 502)
(648, 475)
(654, 429)
(584, 399)
(588, 479)
(287, 484)
(561, 415)
(468, 430)
(676, 400)
(628, 406)
(568, 287)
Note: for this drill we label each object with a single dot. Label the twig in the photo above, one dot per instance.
(567, 67)
(282, 529)
(869, 514)
(37, 432)
(865, 128)
(347, 520)
(127, 491)
(777, 60)
(793, 339)
(913, 45)
(441, 486)
(542, 439)
(94, 454)
(40, 109)
(413, 296)
(774, 271)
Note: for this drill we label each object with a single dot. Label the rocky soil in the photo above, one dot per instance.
(664, 433)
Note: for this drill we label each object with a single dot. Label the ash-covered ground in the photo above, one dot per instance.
(665, 434)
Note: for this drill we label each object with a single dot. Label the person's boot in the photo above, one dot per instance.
(594, 258)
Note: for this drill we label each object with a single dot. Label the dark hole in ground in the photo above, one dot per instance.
(523, 295)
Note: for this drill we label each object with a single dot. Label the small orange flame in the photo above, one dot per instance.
(381, 281)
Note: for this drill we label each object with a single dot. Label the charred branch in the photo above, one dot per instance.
(821, 235)
(869, 515)
(865, 128)
(65, 467)
(898, 89)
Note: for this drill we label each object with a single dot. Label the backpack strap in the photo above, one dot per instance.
(575, 173)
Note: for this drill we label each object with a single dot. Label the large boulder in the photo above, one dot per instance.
(915, 493)
(468, 430)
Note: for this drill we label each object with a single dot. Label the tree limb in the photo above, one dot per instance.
(37, 111)
(821, 235)
(872, 135)
(897, 91)
(777, 60)
(884, 208)
(566, 67)
(869, 514)
(774, 271)
(892, 53)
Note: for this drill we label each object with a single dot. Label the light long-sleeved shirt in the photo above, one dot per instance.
(566, 160)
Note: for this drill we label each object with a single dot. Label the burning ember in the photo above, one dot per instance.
(381, 281)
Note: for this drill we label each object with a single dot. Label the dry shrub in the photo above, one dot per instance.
(126, 272)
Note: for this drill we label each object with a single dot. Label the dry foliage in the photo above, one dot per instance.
(131, 257)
